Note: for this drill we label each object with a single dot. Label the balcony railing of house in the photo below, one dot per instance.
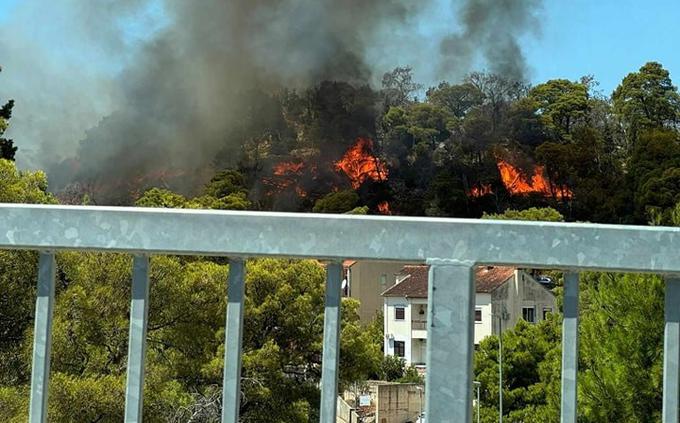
(452, 248)
(418, 324)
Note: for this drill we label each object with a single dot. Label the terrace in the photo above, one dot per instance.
(452, 247)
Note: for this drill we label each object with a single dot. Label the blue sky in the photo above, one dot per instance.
(606, 38)
(6, 7)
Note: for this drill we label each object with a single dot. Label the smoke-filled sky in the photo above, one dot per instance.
(137, 85)
(125, 83)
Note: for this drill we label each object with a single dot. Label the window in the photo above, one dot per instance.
(528, 314)
(400, 348)
(399, 313)
(478, 315)
(546, 310)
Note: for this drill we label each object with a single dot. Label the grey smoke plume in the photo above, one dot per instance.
(59, 63)
(177, 91)
(186, 89)
(491, 28)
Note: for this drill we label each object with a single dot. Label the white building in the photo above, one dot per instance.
(501, 292)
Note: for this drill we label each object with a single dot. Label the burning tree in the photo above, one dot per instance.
(518, 184)
(360, 164)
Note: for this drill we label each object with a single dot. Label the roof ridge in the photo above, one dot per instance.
(415, 285)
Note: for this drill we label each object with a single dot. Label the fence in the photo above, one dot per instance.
(452, 248)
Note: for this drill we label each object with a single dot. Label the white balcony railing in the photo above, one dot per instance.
(452, 247)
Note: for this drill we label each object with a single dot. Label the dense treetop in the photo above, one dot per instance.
(597, 158)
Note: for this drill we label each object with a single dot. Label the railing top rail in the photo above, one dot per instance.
(230, 233)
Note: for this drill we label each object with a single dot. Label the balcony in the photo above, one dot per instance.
(452, 248)
(419, 329)
(418, 325)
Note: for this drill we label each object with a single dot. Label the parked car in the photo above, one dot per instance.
(545, 280)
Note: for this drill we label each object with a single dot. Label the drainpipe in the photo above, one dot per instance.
(386, 320)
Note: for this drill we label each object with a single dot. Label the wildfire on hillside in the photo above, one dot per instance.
(285, 175)
(314, 175)
(517, 184)
(287, 168)
(360, 165)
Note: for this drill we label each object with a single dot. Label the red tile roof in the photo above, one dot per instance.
(415, 284)
(487, 279)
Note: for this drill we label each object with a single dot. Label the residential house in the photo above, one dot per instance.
(366, 281)
(503, 296)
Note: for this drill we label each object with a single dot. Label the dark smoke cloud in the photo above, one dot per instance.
(188, 87)
(177, 92)
(491, 28)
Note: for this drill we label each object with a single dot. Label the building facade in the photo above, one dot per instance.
(365, 281)
(504, 295)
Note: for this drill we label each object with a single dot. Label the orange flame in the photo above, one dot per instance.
(360, 165)
(480, 191)
(286, 168)
(285, 175)
(384, 208)
(517, 184)
(300, 192)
